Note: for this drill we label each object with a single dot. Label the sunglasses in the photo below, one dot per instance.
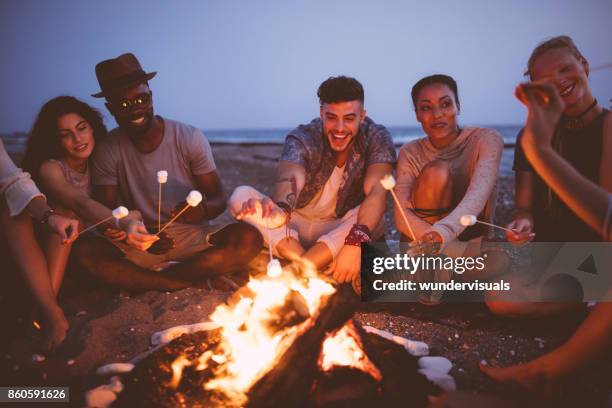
(139, 100)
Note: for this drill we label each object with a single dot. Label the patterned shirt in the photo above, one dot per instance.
(306, 145)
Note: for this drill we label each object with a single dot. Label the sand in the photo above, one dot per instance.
(110, 326)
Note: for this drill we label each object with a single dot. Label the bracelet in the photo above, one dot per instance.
(284, 206)
(45, 217)
(359, 234)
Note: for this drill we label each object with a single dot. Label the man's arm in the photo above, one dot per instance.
(216, 200)
(373, 207)
(106, 195)
(290, 181)
(348, 261)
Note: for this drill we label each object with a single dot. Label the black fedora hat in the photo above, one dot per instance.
(119, 73)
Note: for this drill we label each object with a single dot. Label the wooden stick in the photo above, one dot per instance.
(93, 226)
(496, 226)
(269, 237)
(159, 193)
(174, 218)
(397, 202)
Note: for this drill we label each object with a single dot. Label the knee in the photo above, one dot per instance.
(435, 173)
(88, 252)
(251, 238)
(244, 239)
(239, 196)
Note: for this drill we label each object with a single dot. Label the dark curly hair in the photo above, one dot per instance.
(340, 89)
(434, 79)
(44, 141)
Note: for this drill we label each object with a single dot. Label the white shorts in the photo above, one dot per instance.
(331, 232)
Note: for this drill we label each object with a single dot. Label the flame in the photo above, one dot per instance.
(344, 348)
(258, 329)
(36, 325)
(178, 366)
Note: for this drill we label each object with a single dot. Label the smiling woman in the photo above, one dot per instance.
(61, 142)
(583, 137)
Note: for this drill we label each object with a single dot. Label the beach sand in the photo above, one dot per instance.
(113, 326)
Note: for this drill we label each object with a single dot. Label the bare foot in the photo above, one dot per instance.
(55, 329)
(536, 376)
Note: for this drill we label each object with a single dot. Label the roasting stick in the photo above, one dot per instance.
(162, 178)
(388, 182)
(469, 220)
(194, 198)
(118, 213)
(274, 268)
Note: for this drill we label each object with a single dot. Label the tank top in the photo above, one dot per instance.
(554, 221)
(80, 181)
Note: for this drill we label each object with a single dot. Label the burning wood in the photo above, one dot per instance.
(285, 342)
(345, 349)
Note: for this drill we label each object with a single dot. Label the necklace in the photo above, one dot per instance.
(577, 122)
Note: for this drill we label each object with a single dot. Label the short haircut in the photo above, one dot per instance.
(340, 89)
(561, 41)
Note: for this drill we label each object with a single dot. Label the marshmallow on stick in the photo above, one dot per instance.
(194, 198)
(118, 213)
(468, 220)
(162, 178)
(388, 182)
(274, 268)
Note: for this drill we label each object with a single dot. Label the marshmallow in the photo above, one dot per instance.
(115, 368)
(38, 358)
(162, 176)
(467, 220)
(120, 212)
(194, 198)
(274, 268)
(388, 182)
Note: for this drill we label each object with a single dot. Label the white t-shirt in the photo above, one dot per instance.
(323, 205)
(183, 153)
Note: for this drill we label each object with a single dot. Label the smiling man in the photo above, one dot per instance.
(124, 172)
(327, 198)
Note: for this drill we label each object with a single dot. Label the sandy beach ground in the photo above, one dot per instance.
(113, 326)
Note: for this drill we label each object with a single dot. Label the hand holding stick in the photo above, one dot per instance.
(118, 213)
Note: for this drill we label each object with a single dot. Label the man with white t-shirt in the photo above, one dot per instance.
(328, 198)
(125, 166)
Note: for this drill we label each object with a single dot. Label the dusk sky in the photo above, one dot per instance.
(238, 64)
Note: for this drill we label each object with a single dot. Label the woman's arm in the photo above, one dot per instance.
(59, 190)
(585, 198)
(479, 191)
(16, 186)
(406, 180)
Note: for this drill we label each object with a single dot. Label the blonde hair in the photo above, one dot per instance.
(562, 41)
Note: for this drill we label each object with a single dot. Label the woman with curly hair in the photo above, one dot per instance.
(61, 142)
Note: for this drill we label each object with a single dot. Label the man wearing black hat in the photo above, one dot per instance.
(124, 172)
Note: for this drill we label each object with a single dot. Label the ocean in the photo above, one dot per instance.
(400, 135)
(15, 143)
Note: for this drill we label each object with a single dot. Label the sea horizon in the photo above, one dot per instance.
(15, 141)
